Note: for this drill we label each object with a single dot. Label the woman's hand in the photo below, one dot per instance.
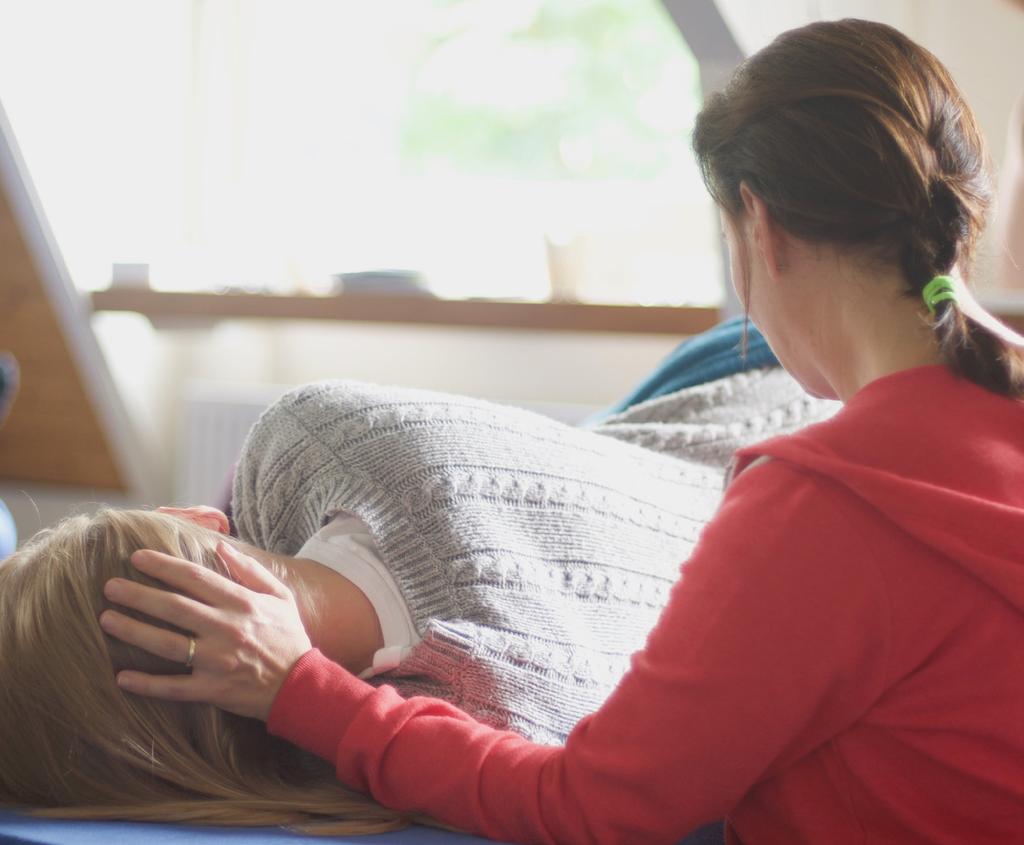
(248, 635)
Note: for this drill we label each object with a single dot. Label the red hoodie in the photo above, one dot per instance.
(841, 661)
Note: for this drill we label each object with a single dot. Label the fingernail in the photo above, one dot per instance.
(124, 681)
(113, 589)
(107, 622)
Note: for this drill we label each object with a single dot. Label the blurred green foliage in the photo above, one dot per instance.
(550, 89)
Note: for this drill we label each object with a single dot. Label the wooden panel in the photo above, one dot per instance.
(546, 316)
(550, 316)
(53, 434)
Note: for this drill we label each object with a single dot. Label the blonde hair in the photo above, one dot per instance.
(73, 745)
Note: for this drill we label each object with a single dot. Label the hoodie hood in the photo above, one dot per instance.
(939, 456)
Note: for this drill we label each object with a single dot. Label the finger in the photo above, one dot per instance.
(158, 641)
(208, 586)
(250, 573)
(204, 515)
(161, 604)
(167, 687)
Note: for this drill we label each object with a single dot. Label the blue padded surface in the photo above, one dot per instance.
(18, 828)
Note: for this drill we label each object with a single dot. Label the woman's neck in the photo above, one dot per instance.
(339, 618)
(841, 324)
(877, 336)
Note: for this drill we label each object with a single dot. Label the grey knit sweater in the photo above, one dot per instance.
(534, 557)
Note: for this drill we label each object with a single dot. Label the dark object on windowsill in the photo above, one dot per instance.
(382, 281)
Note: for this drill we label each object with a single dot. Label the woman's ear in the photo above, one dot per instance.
(771, 240)
(203, 515)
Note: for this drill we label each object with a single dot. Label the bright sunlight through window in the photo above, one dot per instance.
(532, 149)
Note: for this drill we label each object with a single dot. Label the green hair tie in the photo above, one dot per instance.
(939, 289)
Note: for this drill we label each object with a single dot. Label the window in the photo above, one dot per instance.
(519, 150)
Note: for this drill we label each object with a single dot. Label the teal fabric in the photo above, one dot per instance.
(705, 357)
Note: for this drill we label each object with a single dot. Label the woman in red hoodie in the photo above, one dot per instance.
(840, 660)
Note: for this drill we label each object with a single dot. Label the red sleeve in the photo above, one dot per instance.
(773, 640)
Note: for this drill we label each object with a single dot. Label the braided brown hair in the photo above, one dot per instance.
(853, 134)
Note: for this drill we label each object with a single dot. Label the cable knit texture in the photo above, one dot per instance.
(534, 557)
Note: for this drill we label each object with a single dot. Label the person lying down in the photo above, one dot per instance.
(446, 546)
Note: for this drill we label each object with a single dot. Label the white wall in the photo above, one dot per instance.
(980, 41)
